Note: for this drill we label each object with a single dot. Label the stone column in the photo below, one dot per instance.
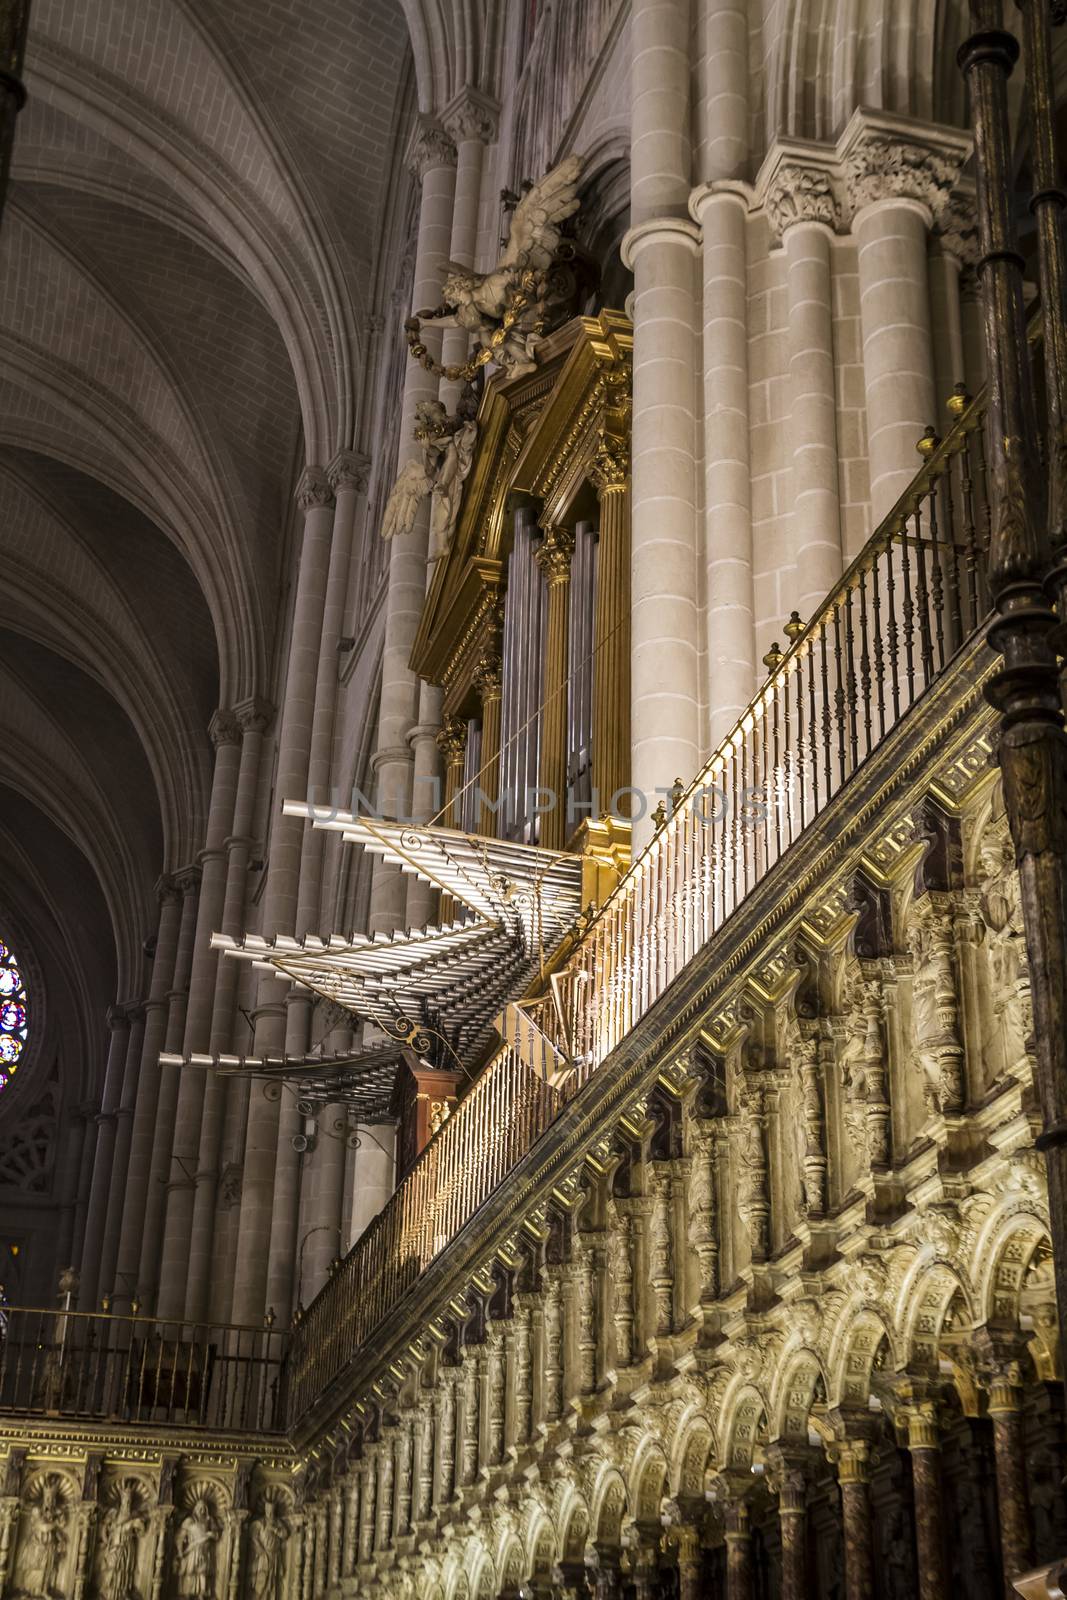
(191, 1086)
(899, 178)
(789, 1469)
(1004, 1385)
(188, 881)
(118, 1020)
(739, 1572)
(490, 686)
(660, 248)
(112, 1226)
(432, 158)
(850, 1458)
(924, 1446)
(611, 658)
(470, 121)
(803, 211)
(252, 717)
(326, 1191)
(136, 1192)
(267, 1153)
(686, 1542)
(554, 559)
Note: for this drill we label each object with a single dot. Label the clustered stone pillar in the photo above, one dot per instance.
(269, 1161)
(136, 1190)
(112, 1226)
(897, 184)
(660, 248)
(432, 159)
(90, 1281)
(803, 209)
(554, 559)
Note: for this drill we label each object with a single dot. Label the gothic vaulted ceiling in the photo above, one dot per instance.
(187, 269)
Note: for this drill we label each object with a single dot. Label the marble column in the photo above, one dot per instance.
(89, 1286)
(900, 176)
(850, 1459)
(252, 718)
(124, 1116)
(191, 1085)
(136, 1190)
(432, 159)
(790, 1467)
(148, 1277)
(686, 1542)
(611, 658)
(924, 1448)
(803, 210)
(661, 247)
(739, 1569)
(268, 1154)
(554, 558)
(1009, 1449)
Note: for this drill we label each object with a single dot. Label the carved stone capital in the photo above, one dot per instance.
(349, 469)
(224, 729)
(313, 489)
(430, 147)
(471, 115)
(800, 185)
(253, 714)
(957, 229)
(898, 158)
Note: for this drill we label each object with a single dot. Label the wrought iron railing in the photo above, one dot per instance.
(142, 1370)
(907, 603)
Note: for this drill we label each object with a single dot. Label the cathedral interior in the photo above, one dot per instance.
(533, 799)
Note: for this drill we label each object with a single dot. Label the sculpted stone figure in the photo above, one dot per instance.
(194, 1551)
(1003, 918)
(266, 1552)
(120, 1532)
(440, 470)
(484, 301)
(43, 1551)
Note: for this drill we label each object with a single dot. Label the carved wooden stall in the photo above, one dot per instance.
(526, 623)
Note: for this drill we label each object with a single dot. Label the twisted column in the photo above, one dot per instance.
(554, 559)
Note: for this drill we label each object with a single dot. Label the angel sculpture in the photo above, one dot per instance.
(484, 301)
(440, 470)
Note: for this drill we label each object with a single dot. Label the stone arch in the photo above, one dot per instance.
(574, 1530)
(608, 1508)
(1003, 1255)
(746, 1411)
(794, 1393)
(483, 1584)
(512, 1563)
(540, 1546)
(926, 1294)
(857, 1346)
(690, 1457)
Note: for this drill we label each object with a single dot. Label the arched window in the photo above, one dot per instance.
(14, 1014)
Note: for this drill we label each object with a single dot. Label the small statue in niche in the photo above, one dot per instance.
(440, 470)
(120, 1534)
(194, 1551)
(266, 1551)
(46, 1545)
(1002, 914)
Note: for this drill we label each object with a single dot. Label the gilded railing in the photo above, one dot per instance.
(915, 593)
(142, 1369)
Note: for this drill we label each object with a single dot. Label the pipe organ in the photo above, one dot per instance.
(526, 622)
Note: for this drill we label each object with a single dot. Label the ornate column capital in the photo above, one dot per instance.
(610, 470)
(790, 1468)
(167, 890)
(554, 554)
(800, 182)
(223, 728)
(957, 228)
(471, 115)
(429, 147)
(253, 714)
(187, 880)
(118, 1016)
(452, 739)
(313, 489)
(888, 157)
(349, 469)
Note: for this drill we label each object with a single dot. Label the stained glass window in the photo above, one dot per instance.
(14, 1014)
